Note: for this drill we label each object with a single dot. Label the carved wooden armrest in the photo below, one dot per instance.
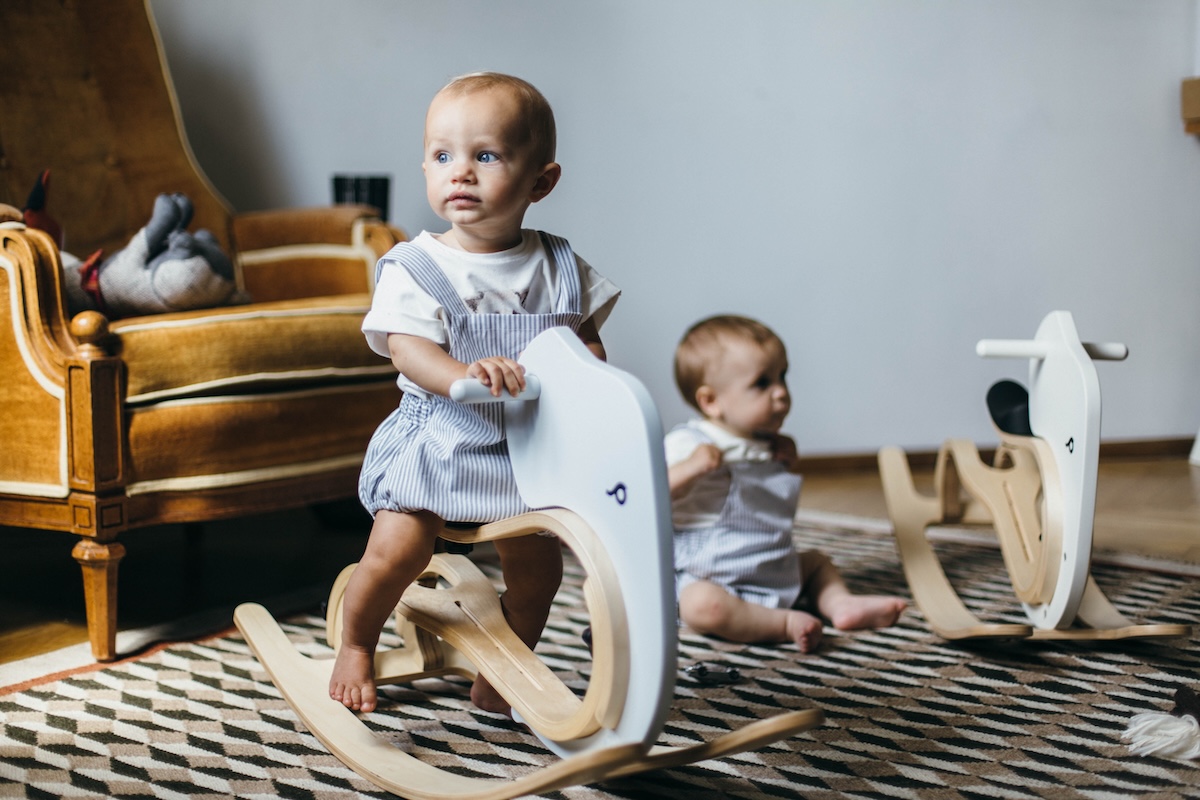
(37, 307)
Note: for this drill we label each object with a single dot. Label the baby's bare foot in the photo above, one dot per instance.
(353, 680)
(858, 611)
(486, 698)
(805, 630)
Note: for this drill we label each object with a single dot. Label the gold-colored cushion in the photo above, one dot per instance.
(236, 349)
(252, 438)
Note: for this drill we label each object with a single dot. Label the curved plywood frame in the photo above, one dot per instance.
(1039, 496)
(304, 682)
(588, 454)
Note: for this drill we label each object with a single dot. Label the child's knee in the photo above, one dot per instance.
(704, 606)
(399, 540)
(813, 562)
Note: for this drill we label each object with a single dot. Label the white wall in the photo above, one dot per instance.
(882, 182)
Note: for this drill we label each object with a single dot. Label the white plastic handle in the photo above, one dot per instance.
(1011, 348)
(469, 390)
(1106, 351)
(1031, 348)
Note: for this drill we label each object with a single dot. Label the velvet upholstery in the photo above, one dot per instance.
(183, 417)
(84, 94)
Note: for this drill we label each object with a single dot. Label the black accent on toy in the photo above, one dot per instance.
(1008, 403)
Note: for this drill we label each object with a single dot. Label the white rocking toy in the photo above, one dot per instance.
(586, 449)
(1039, 495)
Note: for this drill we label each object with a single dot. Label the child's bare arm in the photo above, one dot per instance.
(683, 474)
(590, 336)
(429, 366)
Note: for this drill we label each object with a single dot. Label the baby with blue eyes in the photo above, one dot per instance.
(464, 304)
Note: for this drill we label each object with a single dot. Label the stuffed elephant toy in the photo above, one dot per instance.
(163, 268)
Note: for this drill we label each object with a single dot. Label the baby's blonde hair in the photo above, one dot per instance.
(705, 341)
(535, 109)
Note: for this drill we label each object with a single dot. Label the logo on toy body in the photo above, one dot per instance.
(619, 493)
(1071, 445)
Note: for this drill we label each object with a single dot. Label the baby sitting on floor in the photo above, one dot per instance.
(734, 488)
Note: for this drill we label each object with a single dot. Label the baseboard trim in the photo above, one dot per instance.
(926, 459)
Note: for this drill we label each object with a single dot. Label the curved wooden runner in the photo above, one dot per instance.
(1030, 542)
(460, 629)
(591, 442)
(304, 683)
(912, 513)
(454, 625)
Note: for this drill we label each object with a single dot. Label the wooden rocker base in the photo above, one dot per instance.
(1012, 500)
(586, 449)
(304, 682)
(1040, 496)
(450, 630)
(460, 629)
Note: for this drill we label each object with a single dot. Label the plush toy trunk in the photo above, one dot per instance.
(180, 417)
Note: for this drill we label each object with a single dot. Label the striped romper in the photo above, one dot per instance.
(433, 454)
(749, 550)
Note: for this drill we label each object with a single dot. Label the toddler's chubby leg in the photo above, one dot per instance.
(533, 568)
(846, 611)
(709, 609)
(397, 551)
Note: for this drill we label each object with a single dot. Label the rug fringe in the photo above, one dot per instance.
(1165, 735)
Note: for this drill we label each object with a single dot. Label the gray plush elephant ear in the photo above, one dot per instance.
(184, 206)
(182, 278)
(169, 215)
(206, 245)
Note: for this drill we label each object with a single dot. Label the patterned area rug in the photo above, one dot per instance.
(907, 714)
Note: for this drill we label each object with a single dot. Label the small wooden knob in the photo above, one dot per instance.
(90, 328)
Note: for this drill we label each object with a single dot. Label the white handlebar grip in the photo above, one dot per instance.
(469, 390)
(1106, 351)
(1010, 348)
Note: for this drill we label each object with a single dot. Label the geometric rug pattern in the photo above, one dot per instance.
(908, 715)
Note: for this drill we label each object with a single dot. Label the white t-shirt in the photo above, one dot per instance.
(521, 280)
(701, 506)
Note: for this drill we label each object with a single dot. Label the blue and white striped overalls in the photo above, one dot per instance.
(433, 454)
(749, 550)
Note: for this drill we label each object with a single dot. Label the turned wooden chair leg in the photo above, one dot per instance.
(99, 562)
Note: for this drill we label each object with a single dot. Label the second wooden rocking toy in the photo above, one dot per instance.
(586, 449)
(1039, 495)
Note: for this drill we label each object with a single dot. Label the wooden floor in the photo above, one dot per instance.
(1146, 506)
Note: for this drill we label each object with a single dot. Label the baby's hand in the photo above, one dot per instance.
(498, 373)
(705, 458)
(682, 475)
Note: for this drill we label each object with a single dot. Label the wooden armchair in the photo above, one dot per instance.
(107, 424)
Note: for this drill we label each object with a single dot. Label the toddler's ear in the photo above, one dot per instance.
(546, 181)
(706, 401)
